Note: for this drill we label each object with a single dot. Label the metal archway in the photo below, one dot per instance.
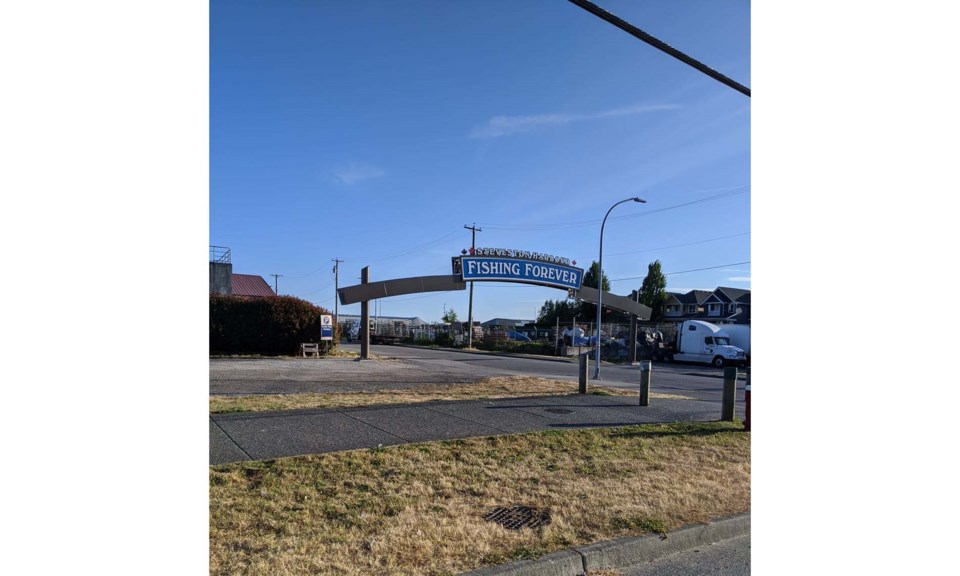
(366, 291)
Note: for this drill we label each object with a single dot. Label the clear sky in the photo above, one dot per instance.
(373, 131)
(328, 118)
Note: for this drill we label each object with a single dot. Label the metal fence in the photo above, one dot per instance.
(220, 254)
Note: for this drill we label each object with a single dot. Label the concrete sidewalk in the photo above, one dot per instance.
(266, 435)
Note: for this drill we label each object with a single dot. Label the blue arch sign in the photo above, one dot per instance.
(529, 271)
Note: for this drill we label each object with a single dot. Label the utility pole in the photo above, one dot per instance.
(275, 276)
(336, 289)
(473, 246)
(365, 318)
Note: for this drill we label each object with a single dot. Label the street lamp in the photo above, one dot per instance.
(596, 370)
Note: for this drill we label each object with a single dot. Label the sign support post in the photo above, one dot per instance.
(365, 318)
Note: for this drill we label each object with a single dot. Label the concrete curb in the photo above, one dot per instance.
(624, 552)
(566, 563)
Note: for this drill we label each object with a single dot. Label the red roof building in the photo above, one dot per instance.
(250, 285)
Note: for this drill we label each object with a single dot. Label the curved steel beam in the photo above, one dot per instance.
(588, 294)
(399, 287)
(446, 283)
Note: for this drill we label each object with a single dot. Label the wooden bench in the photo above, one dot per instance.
(310, 348)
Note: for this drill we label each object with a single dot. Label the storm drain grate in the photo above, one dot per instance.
(559, 411)
(517, 517)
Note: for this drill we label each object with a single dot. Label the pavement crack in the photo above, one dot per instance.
(230, 438)
(466, 420)
(364, 422)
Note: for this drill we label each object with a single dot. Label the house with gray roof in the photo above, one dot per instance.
(722, 305)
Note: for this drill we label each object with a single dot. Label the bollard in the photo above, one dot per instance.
(584, 360)
(646, 373)
(746, 420)
(729, 393)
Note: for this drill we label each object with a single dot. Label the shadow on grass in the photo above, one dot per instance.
(693, 431)
(595, 425)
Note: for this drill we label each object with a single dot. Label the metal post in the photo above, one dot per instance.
(633, 334)
(573, 336)
(365, 318)
(584, 361)
(646, 374)
(336, 299)
(746, 420)
(729, 393)
(473, 245)
(557, 335)
(596, 369)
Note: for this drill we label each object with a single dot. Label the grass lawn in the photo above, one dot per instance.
(498, 387)
(418, 508)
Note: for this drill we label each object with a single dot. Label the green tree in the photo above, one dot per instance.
(653, 291)
(450, 317)
(590, 279)
(565, 310)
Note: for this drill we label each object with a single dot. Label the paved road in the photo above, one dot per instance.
(701, 382)
(408, 367)
(725, 558)
(256, 436)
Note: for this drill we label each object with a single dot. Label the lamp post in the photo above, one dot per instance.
(596, 370)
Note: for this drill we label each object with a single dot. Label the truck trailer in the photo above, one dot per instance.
(701, 342)
(739, 336)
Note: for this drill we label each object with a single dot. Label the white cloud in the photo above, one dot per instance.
(357, 172)
(739, 279)
(505, 125)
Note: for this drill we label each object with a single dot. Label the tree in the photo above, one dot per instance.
(553, 309)
(590, 279)
(450, 317)
(653, 292)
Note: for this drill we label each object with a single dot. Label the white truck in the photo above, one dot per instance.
(739, 336)
(703, 342)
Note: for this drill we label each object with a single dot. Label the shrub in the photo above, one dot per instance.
(271, 326)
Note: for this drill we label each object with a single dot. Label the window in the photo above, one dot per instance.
(692, 328)
(708, 340)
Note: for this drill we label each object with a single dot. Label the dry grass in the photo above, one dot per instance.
(417, 509)
(498, 387)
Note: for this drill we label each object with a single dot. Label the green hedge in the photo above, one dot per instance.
(270, 326)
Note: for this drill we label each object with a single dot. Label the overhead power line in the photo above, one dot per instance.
(403, 252)
(709, 268)
(682, 245)
(659, 45)
(321, 289)
(381, 257)
(682, 271)
(585, 223)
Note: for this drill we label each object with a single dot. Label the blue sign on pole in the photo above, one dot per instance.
(326, 327)
(479, 268)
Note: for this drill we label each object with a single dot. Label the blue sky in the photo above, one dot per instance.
(374, 131)
(324, 118)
